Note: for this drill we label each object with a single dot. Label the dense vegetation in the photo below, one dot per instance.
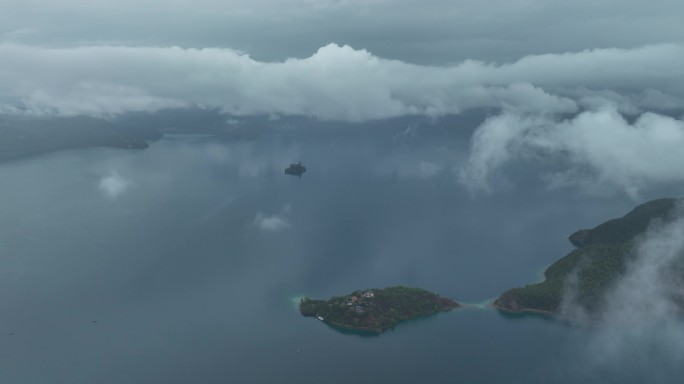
(588, 271)
(376, 310)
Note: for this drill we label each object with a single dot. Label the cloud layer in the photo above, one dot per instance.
(337, 82)
(534, 97)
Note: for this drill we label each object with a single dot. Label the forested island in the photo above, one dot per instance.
(376, 310)
(601, 256)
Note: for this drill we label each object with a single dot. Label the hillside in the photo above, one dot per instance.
(627, 227)
(601, 257)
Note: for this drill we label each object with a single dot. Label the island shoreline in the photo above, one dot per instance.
(374, 311)
(524, 311)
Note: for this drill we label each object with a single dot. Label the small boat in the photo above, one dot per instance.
(319, 318)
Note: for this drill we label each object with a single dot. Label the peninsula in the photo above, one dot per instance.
(21, 137)
(601, 257)
(376, 310)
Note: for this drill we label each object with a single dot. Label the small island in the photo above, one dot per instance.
(376, 310)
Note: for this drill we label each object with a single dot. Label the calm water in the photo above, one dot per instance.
(192, 261)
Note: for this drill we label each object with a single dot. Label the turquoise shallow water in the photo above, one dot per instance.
(193, 268)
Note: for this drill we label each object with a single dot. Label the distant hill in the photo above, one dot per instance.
(21, 137)
(601, 257)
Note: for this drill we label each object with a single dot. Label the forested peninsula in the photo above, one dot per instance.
(601, 257)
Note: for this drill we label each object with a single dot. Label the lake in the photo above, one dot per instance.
(183, 263)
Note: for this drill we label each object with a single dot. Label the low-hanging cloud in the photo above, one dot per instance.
(113, 185)
(640, 327)
(601, 149)
(336, 82)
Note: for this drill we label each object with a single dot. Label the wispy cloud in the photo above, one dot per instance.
(113, 185)
(273, 222)
(429, 169)
(640, 329)
(17, 34)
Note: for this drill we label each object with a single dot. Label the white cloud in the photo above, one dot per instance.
(600, 148)
(113, 185)
(337, 82)
(272, 223)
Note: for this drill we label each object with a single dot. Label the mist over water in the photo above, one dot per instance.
(188, 256)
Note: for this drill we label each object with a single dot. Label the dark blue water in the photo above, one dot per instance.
(189, 272)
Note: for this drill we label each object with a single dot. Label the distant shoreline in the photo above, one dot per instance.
(524, 311)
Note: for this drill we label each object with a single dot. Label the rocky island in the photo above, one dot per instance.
(376, 310)
(601, 257)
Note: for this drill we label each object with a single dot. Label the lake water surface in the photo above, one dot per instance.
(182, 263)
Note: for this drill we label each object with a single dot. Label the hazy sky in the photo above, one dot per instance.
(426, 32)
